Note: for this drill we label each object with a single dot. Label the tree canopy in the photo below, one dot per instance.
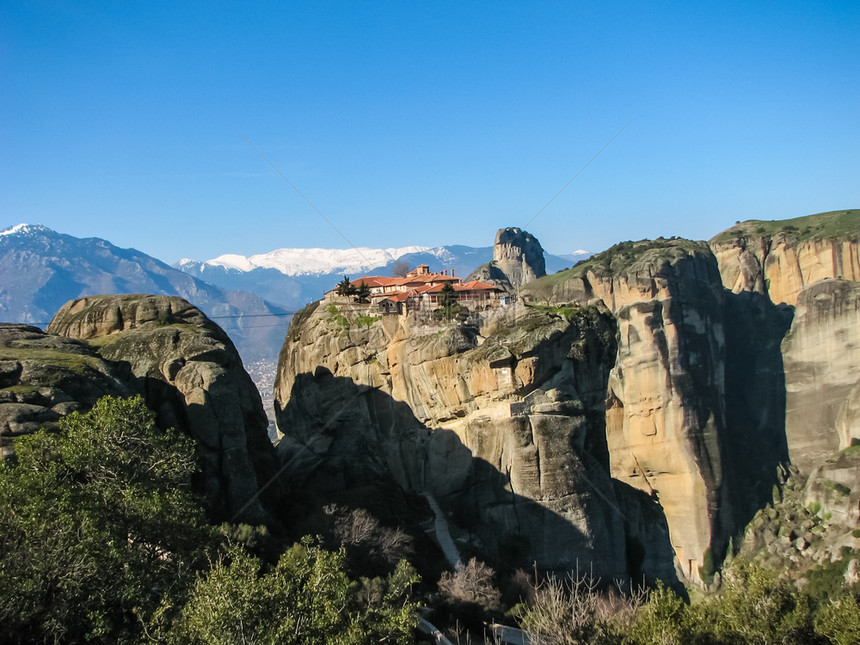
(103, 540)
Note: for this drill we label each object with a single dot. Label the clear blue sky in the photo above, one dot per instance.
(422, 122)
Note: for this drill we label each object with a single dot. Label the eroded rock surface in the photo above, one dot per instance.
(192, 376)
(665, 416)
(500, 419)
(44, 377)
(833, 489)
(518, 259)
(822, 366)
(782, 258)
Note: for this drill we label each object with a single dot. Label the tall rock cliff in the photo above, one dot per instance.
(783, 257)
(822, 366)
(499, 418)
(192, 377)
(518, 259)
(811, 265)
(665, 416)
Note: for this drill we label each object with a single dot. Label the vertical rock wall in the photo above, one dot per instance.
(822, 366)
(665, 416)
(500, 419)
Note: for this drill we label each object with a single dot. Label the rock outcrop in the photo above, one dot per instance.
(822, 367)
(782, 258)
(500, 419)
(833, 490)
(44, 377)
(665, 416)
(192, 377)
(518, 259)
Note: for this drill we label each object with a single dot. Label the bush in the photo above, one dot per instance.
(839, 620)
(97, 526)
(665, 620)
(573, 611)
(306, 598)
(472, 583)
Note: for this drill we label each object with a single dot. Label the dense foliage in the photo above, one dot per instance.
(102, 540)
(754, 606)
(97, 526)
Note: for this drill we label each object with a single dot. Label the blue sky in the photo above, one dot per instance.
(422, 122)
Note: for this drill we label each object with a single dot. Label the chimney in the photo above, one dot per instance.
(452, 273)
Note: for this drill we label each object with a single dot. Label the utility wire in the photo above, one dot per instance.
(575, 176)
(303, 196)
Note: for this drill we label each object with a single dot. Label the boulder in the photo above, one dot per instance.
(191, 375)
(44, 377)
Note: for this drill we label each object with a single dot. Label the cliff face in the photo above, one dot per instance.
(822, 366)
(518, 259)
(665, 416)
(782, 258)
(192, 377)
(500, 419)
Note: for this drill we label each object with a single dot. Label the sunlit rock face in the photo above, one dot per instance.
(822, 366)
(783, 262)
(518, 259)
(811, 266)
(665, 416)
(192, 377)
(500, 418)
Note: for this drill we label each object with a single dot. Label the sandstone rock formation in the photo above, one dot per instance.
(518, 259)
(782, 258)
(500, 419)
(833, 489)
(192, 376)
(822, 366)
(665, 416)
(43, 378)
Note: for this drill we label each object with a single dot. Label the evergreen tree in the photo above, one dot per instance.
(345, 288)
(362, 294)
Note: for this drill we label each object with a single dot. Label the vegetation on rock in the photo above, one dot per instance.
(631, 257)
(832, 224)
(102, 540)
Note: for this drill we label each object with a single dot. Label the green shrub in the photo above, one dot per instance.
(839, 620)
(707, 570)
(366, 321)
(305, 598)
(98, 526)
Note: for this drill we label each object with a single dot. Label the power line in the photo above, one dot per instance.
(225, 317)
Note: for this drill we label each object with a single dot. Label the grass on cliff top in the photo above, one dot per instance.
(110, 339)
(833, 224)
(78, 363)
(626, 257)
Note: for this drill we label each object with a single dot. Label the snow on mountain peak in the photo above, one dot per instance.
(23, 228)
(314, 261)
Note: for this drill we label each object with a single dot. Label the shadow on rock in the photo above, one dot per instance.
(343, 437)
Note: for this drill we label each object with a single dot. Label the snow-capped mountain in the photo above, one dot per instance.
(294, 277)
(308, 261)
(41, 269)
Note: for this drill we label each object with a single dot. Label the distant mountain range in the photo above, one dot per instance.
(41, 269)
(295, 277)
